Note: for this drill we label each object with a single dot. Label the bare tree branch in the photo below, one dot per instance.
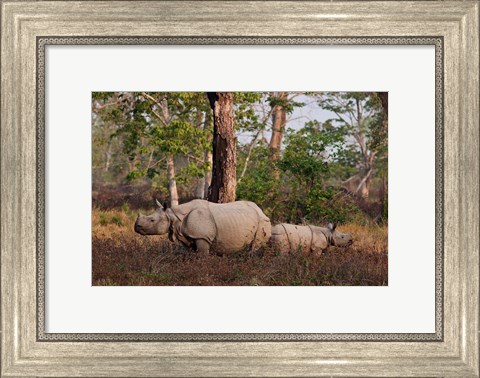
(162, 119)
(364, 179)
(250, 149)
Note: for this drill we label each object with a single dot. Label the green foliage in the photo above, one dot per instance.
(302, 193)
(307, 151)
(288, 104)
(102, 96)
(192, 170)
(176, 138)
(134, 174)
(259, 184)
(361, 116)
(117, 220)
(104, 219)
(134, 133)
(329, 204)
(153, 125)
(246, 116)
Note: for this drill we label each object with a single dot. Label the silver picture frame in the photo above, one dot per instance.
(28, 27)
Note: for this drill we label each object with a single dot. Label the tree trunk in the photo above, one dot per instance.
(204, 120)
(367, 173)
(108, 153)
(203, 183)
(384, 100)
(383, 194)
(364, 186)
(384, 198)
(172, 183)
(279, 119)
(208, 175)
(200, 187)
(365, 190)
(224, 180)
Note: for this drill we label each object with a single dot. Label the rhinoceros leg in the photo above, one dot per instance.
(262, 235)
(279, 239)
(200, 225)
(203, 247)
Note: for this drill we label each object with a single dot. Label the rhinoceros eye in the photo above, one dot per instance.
(151, 220)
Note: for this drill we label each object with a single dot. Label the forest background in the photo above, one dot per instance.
(303, 157)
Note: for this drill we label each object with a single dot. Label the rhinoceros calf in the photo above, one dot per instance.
(307, 239)
(203, 225)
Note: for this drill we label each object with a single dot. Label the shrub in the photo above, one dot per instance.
(117, 220)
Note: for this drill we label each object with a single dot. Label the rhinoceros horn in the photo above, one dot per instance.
(158, 203)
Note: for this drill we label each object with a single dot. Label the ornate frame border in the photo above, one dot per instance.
(42, 42)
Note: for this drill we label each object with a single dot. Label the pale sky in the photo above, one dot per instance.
(297, 119)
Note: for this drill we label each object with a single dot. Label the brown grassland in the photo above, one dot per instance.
(123, 258)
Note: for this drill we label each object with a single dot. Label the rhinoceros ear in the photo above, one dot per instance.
(332, 227)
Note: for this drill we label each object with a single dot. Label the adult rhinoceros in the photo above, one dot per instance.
(307, 239)
(203, 225)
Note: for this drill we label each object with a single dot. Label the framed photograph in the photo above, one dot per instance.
(240, 188)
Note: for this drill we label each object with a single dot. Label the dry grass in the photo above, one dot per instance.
(122, 257)
(372, 238)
